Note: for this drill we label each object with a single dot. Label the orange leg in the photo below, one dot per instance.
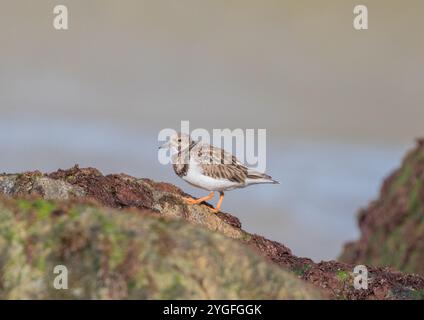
(200, 200)
(218, 205)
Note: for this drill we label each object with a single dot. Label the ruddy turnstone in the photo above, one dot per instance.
(208, 167)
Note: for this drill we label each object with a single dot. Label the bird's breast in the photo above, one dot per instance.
(195, 177)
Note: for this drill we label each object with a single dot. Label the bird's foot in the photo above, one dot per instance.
(200, 200)
(191, 201)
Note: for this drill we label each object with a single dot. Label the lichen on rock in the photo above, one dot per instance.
(147, 219)
(392, 227)
(128, 255)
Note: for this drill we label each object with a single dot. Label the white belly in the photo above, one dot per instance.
(197, 179)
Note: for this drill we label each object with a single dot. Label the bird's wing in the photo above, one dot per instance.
(218, 163)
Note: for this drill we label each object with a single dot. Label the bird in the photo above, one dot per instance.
(210, 168)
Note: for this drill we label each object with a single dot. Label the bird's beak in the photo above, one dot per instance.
(165, 145)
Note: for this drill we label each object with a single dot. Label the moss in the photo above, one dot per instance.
(342, 275)
(414, 201)
(246, 236)
(118, 254)
(301, 270)
(41, 263)
(70, 178)
(119, 243)
(175, 289)
(402, 178)
(74, 214)
(417, 294)
(43, 208)
(24, 205)
(394, 249)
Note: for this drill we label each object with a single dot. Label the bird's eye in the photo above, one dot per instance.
(179, 140)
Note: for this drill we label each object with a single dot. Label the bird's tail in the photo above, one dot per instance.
(254, 177)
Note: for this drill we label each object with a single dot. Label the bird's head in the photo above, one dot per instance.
(177, 142)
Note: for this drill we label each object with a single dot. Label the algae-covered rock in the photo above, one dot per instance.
(392, 227)
(117, 191)
(165, 201)
(130, 254)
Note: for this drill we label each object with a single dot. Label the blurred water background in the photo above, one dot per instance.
(340, 106)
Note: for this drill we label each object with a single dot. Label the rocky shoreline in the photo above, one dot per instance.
(119, 194)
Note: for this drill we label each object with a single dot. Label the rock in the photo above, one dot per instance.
(120, 191)
(392, 227)
(36, 183)
(130, 254)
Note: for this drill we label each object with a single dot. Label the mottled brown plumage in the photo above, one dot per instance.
(210, 168)
(219, 164)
